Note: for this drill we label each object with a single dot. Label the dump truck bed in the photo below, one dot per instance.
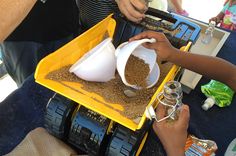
(69, 54)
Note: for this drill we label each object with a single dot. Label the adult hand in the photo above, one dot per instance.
(162, 45)
(173, 135)
(133, 9)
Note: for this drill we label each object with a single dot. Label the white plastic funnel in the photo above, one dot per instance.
(99, 64)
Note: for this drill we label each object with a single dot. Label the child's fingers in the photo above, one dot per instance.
(184, 115)
(160, 111)
(149, 45)
(148, 34)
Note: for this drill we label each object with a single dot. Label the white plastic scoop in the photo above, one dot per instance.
(125, 50)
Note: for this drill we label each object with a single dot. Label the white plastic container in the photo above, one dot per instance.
(98, 65)
(125, 50)
(209, 33)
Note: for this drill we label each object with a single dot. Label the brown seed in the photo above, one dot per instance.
(113, 90)
(136, 71)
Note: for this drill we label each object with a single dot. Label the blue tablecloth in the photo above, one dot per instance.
(23, 111)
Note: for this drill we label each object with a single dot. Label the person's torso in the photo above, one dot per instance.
(93, 11)
(50, 21)
(229, 20)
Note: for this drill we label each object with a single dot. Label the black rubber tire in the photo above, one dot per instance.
(123, 142)
(58, 115)
(88, 132)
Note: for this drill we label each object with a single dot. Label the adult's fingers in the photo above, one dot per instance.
(127, 8)
(128, 15)
(140, 5)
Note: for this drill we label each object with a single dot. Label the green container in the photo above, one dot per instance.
(217, 93)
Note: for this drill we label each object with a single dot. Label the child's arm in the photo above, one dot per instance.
(212, 67)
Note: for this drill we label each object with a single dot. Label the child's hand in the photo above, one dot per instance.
(162, 46)
(173, 135)
(216, 19)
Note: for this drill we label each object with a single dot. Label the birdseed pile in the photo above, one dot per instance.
(136, 71)
(113, 90)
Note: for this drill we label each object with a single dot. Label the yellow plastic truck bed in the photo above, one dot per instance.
(69, 54)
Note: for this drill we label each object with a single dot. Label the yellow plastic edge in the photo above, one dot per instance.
(142, 144)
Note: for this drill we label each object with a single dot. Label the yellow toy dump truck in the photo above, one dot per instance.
(98, 118)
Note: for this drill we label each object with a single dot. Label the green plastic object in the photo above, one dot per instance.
(216, 93)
